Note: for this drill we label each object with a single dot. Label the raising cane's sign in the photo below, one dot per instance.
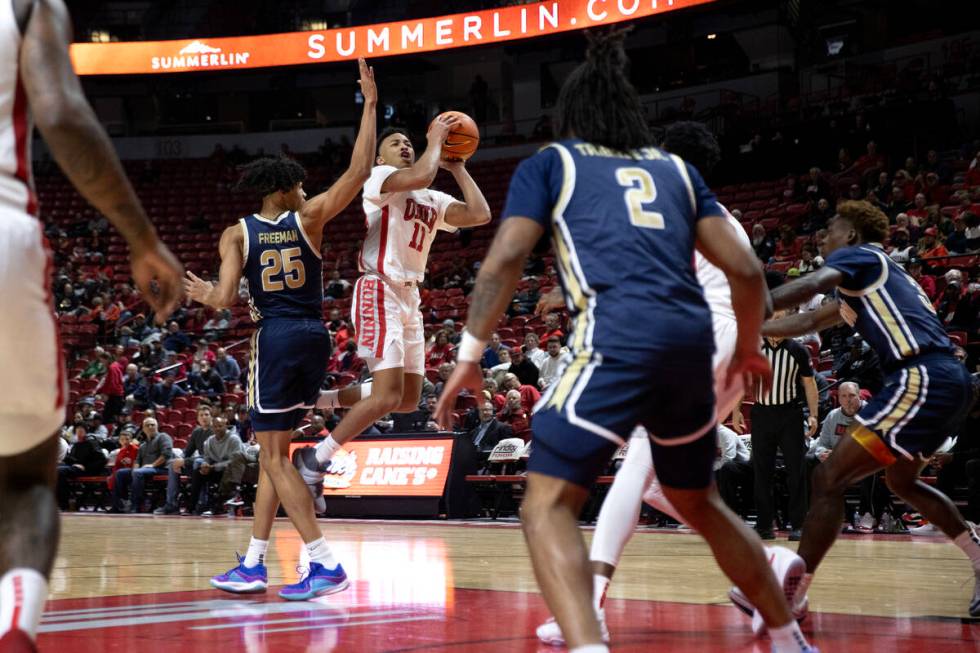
(416, 468)
(379, 40)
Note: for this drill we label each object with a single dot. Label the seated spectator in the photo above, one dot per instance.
(972, 231)
(174, 340)
(762, 244)
(928, 245)
(123, 457)
(526, 301)
(153, 456)
(900, 249)
(220, 322)
(500, 370)
(515, 415)
(870, 161)
(860, 364)
(449, 326)
(733, 470)
(532, 351)
(491, 389)
(419, 421)
(203, 353)
(788, 247)
(552, 328)
(529, 393)
(336, 287)
(554, 364)
(817, 218)
(816, 185)
(489, 431)
(318, 427)
(926, 281)
(219, 451)
(807, 264)
(164, 392)
(919, 210)
(206, 381)
(96, 367)
(345, 359)
(84, 458)
(956, 242)
(525, 370)
(226, 366)
(445, 371)
(490, 354)
(440, 351)
(96, 428)
(189, 460)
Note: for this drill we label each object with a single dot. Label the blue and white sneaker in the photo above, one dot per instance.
(311, 469)
(242, 579)
(319, 581)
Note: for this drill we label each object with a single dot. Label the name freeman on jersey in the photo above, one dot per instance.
(277, 237)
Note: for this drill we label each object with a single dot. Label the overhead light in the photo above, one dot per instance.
(100, 36)
(314, 25)
(712, 36)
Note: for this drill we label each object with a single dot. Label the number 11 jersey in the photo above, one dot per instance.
(283, 269)
(400, 228)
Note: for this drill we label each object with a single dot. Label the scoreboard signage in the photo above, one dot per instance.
(370, 41)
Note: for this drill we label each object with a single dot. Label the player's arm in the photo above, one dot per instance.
(423, 172)
(812, 403)
(800, 324)
(225, 293)
(322, 208)
(796, 292)
(84, 152)
(473, 210)
(717, 241)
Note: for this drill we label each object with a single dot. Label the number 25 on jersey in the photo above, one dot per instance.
(641, 190)
(286, 265)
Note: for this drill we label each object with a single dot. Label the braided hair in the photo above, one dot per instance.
(598, 103)
(694, 143)
(270, 174)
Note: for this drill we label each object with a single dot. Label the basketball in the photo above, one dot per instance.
(463, 140)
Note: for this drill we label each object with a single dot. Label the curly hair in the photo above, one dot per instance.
(269, 174)
(867, 219)
(693, 142)
(598, 103)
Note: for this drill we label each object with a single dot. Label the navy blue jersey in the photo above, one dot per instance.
(886, 306)
(623, 230)
(283, 270)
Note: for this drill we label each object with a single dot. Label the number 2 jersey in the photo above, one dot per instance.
(886, 306)
(283, 269)
(623, 230)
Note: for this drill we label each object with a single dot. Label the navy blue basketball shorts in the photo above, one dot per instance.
(919, 406)
(600, 398)
(285, 371)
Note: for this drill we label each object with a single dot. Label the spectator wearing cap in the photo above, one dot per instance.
(153, 456)
(900, 250)
(929, 247)
(96, 428)
(525, 370)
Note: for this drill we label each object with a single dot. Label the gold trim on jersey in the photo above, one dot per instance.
(568, 379)
(911, 392)
(253, 364)
(891, 322)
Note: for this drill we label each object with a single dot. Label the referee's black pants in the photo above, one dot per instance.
(778, 427)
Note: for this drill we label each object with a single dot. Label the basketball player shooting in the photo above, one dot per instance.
(403, 215)
(36, 79)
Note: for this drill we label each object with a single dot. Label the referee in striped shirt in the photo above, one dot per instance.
(777, 422)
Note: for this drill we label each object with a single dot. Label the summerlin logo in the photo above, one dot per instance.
(198, 54)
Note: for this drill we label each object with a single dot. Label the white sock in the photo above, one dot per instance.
(600, 584)
(22, 595)
(621, 508)
(326, 448)
(319, 551)
(366, 390)
(256, 552)
(969, 543)
(788, 638)
(590, 648)
(328, 399)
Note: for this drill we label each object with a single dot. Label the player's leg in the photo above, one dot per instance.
(29, 529)
(411, 393)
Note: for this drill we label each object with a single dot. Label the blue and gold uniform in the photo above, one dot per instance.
(291, 346)
(927, 392)
(622, 226)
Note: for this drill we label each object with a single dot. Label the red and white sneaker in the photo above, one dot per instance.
(789, 569)
(550, 632)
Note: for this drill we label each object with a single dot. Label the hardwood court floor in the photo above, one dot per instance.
(141, 583)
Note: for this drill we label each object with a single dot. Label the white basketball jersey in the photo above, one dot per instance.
(400, 228)
(16, 189)
(717, 292)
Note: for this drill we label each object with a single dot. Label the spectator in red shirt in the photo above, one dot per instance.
(870, 160)
(529, 394)
(918, 211)
(112, 387)
(929, 247)
(788, 248)
(346, 360)
(551, 328)
(515, 415)
(490, 388)
(927, 283)
(125, 455)
(440, 351)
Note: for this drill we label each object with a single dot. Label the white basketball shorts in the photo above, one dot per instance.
(388, 325)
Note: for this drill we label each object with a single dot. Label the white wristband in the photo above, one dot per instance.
(470, 348)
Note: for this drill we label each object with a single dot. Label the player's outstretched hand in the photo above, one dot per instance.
(157, 274)
(752, 366)
(552, 300)
(466, 375)
(439, 129)
(197, 288)
(368, 88)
